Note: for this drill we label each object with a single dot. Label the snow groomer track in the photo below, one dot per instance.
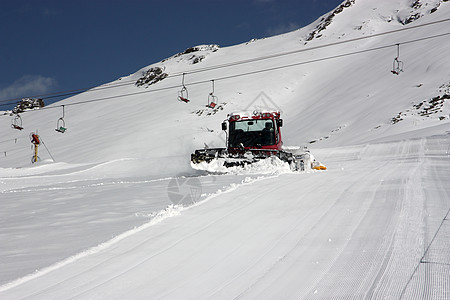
(374, 226)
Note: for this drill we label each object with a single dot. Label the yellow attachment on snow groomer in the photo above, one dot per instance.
(321, 167)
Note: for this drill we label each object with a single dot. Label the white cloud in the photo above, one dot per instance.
(282, 28)
(28, 85)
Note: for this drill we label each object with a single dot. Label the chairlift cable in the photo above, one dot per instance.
(311, 48)
(248, 73)
(70, 92)
(114, 85)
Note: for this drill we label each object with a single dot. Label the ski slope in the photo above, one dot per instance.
(374, 226)
(113, 209)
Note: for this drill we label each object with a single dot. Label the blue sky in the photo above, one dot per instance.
(51, 46)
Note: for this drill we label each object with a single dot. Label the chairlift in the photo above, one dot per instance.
(183, 93)
(61, 124)
(397, 65)
(212, 99)
(16, 122)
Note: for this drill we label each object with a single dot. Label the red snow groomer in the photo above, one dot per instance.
(250, 138)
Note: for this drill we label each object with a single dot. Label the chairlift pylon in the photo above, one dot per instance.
(397, 65)
(183, 93)
(212, 99)
(61, 124)
(16, 122)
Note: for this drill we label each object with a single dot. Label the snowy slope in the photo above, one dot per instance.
(140, 123)
(360, 229)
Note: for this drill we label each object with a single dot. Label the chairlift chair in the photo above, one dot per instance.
(183, 95)
(212, 99)
(61, 124)
(16, 122)
(397, 65)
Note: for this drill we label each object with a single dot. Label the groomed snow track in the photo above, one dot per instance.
(374, 226)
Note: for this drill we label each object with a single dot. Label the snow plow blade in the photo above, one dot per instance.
(237, 157)
(219, 159)
(207, 155)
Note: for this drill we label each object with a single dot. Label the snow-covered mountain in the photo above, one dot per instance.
(125, 156)
(342, 92)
